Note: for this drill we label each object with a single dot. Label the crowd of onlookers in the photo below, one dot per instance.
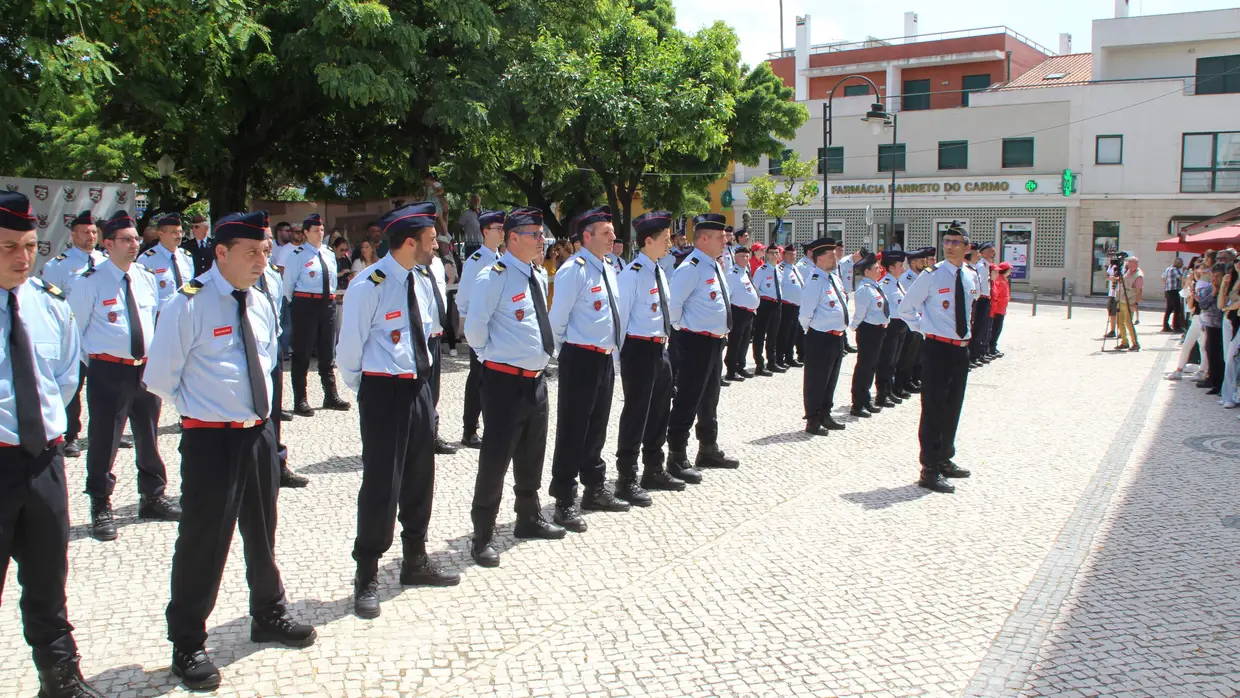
(1203, 303)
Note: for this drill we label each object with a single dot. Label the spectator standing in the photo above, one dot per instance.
(1173, 283)
(1127, 298)
(1195, 336)
(435, 194)
(344, 272)
(1212, 326)
(471, 231)
(200, 248)
(1000, 295)
(366, 255)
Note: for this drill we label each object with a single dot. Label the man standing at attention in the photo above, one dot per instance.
(199, 248)
(171, 265)
(478, 263)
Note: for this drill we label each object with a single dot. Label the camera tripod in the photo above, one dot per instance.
(1124, 288)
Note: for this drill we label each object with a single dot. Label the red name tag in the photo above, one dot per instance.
(710, 281)
(221, 331)
(596, 289)
(309, 263)
(518, 298)
(654, 290)
(392, 315)
(160, 271)
(945, 290)
(110, 301)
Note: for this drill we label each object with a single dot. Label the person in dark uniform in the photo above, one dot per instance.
(200, 246)
(34, 502)
(310, 288)
(701, 310)
(937, 306)
(906, 382)
(212, 357)
(824, 317)
(767, 320)
(870, 318)
(744, 307)
(115, 305)
(385, 357)
(509, 328)
(478, 263)
(889, 394)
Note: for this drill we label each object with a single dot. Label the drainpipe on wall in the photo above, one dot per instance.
(1008, 69)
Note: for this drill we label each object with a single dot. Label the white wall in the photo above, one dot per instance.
(1160, 60)
(1158, 45)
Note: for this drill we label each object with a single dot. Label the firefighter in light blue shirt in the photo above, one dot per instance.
(909, 367)
(310, 286)
(893, 342)
(171, 265)
(480, 262)
(744, 307)
(871, 314)
(824, 318)
(792, 283)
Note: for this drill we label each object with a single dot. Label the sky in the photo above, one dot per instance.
(757, 21)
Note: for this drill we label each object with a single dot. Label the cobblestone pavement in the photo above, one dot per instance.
(1090, 554)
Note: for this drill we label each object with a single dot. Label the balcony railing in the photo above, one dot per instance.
(871, 42)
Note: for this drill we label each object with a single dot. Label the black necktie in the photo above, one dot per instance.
(839, 297)
(438, 298)
(779, 295)
(327, 289)
(176, 269)
(421, 355)
(30, 432)
(962, 320)
(90, 261)
(667, 318)
(611, 303)
(723, 288)
(137, 345)
(886, 305)
(254, 367)
(540, 312)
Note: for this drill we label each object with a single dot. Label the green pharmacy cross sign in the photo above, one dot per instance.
(1031, 186)
(1068, 182)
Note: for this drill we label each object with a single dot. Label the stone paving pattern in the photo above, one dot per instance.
(1086, 556)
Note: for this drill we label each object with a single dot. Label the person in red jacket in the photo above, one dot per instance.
(1000, 294)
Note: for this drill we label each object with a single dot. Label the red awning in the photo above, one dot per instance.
(1221, 238)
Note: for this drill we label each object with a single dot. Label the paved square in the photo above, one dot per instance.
(1088, 555)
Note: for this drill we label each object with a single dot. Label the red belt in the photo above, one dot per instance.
(378, 374)
(118, 360)
(945, 340)
(708, 334)
(511, 370)
(187, 423)
(437, 334)
(656, 340)
(589, 347)
(748, 310)
(768, 299)
(299, 294)
(788, 303)
(837, 333)
(54, 442)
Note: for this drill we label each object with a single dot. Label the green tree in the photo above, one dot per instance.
(775, 195)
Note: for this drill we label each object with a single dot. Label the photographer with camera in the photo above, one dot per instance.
(1129, 284)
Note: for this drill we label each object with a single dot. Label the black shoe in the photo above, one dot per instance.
(850, 349)
(679, 468)
(711, 456)
(1135, 347)
(950, 469)
(1202, 384)
(763, 372)
(812, 426)
(102, 521)
(734, 377)
(724, 382)
(418, 570)
(280, 627)
(660, 480)
(997, 355)
(332, 401)
(832, 425)
(483, 552)
(471, 441)
(629, 491)
(776, 368)
(913, 388)
(284, 416)
(1166, 330)
(872, 408)
(901, 394)
(974, 363)
(859, 411)
(537, 527)
(64, 680)
(302, 408)
(746, 374)
(884, 400)
(931, 479)
(568, 515)
(72, 450)
(1213, 391)
(194, 668)
(599, 498)
(366, 591)
(793, 363)
(290, 479)
(443, 448)
(126, 442)
(159, 508)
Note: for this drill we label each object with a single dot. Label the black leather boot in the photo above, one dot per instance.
(679, 468)
(64, 680)
(102, 521)
(301, 407)
(279, 626)
(859, 411)
(629, 491)
(470, 439)
(567, 517)
(711, 456)
(417, 569)
(160, 508)
(932, 479)
(598, 498)
(483, 551)
(830, 423)
(661, 480)
(194, 667)
(814, 426)
(331, 398)
(290, 479)
(366, 590)
(950, 469)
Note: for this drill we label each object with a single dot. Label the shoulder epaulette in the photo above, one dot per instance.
(694, 261)
(191, 287)
(424, 271)
(581, 262)
(499, 268)
(636, 266)
(150, 252)
(814, 277)
(62, 256)
(146, 269)
(52, 289)
(273, 267)
(377, 276)
(297, 250)
(476, 256)
(88, 272)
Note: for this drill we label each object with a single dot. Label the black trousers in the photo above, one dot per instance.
(800, 339)
(277, 405)
(869, 350)
(115, 392)
(515, 411)
(824, 355)
(766, 332)
(587, 381)
(996, 329)
(314, 331)
(942, 395)
(788, 324)
(893, 346)
(73, 410)
(398, 465)
(646, 378)
(907, 369)
(34, 532)
(473, 401)
(1173, 314)
(224, 485)
(449, 322)
(697, 389)
(981, 328)
(432, 346)
(1214, 356)
(738, 340)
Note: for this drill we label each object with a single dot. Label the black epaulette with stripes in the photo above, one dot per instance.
(376, 277)
(192, 287)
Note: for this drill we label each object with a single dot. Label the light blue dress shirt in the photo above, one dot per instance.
(99, 304)
(793, 283)
(584, 290)
(868, 305)
(269, 284)
(893, 289)
(479, 263)
(983, 277)
(198, 357)
(728, 258)
(765, 279)
(159, 260)
(638, 304)
(844, 270)
(440, 275)
(54, 341)
(742, 290)
(616, 263)
(822, 308)
(376, 334)
(668, 262)
(970, 270)
(66, 268)
(929, 305)
(502, 326)
(280, 255)
(908, 277)
(698, 299)
(304, 267)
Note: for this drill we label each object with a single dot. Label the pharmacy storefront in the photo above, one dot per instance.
(1028, 219)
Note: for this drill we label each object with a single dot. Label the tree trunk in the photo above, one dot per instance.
(229, 188)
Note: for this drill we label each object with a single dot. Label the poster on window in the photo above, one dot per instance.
(1016, 238)
(56, 203)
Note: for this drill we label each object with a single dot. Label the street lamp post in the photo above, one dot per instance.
(891, 227)
(877, 118)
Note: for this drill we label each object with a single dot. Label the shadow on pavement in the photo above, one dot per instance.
(884, 497)
(338, 464)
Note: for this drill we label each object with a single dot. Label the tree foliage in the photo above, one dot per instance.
(776, 194)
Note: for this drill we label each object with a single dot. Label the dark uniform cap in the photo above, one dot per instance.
(595, 215)
(523, 215)
(865, 263)
(241, 226)
(119, 221)
(84, 218)
(173, 218)
(923, 253)
(728, 229)
(420, 214)
(266, 217)
(710, 221)
(741, 249)
(894, 256)
(575, 237)
(312, 219)
(828, 243)
(489, 217)
(198, 219)
(652, 222)
(15, 212)
(744, 230)
(985, 246)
